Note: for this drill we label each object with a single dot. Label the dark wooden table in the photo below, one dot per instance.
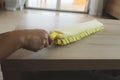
(97, 52)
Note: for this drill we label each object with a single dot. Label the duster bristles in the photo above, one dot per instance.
(69, 34)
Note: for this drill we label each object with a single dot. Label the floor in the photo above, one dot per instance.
(13, 20)
(69, 5)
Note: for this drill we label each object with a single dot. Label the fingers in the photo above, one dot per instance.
(38, 39)
(48, 41)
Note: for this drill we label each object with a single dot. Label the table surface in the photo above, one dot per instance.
(104, 44)
(96, 52)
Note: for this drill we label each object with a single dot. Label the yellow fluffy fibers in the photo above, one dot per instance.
(68, 34)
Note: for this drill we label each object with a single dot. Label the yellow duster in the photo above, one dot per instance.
(68, 34)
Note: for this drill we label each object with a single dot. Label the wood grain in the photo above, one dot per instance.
(112, 8)
(101, 45)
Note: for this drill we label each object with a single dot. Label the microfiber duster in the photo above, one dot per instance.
(69, 34)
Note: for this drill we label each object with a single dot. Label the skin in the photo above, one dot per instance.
(33, 40)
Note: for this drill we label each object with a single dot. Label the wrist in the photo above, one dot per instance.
(18, 37)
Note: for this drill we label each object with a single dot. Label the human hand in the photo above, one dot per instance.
(35, 40)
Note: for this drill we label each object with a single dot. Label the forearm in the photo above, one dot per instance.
(9, 43)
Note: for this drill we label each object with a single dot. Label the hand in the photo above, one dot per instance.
(35, 39)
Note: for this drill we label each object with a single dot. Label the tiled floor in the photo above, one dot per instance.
(72, 5)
